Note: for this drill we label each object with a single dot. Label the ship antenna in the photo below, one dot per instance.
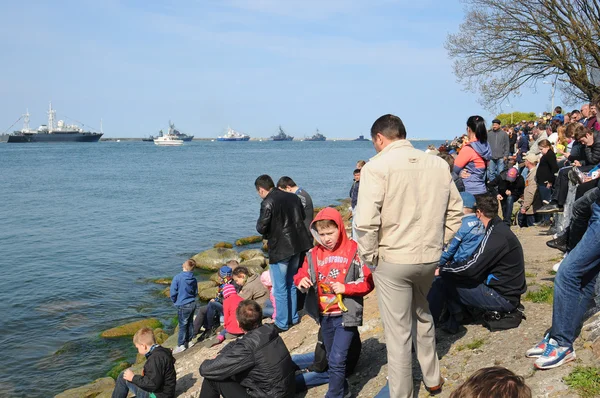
(51, 115)
(26, 121)
(101, 126)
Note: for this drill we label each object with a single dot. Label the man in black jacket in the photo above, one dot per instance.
(509, 187)
(492, 279)
(281, 221)
(258, 364)
(158, 378)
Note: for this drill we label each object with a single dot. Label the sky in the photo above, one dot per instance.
(335, 65)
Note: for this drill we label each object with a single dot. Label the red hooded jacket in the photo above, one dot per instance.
(332, 265)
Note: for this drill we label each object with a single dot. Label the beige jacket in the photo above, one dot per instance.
(408, 206)
(531, 198)
(253, 289)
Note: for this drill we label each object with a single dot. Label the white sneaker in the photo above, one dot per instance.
(556, 266)
(179, 349)
(190, 344)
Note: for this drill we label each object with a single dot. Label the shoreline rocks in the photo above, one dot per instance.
(129, 329)
(248, 240)
(213, 259)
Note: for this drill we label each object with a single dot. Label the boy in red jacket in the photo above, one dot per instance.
(336, 281)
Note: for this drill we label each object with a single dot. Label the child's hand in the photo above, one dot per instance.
(338, 288)
(128, 375)
(305, 283)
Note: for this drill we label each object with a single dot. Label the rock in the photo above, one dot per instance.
(213, 259)
(129, 329)
(118, 368)
(215, 278)
(160, 336)
(251, 253)
(224, 245)
(254, 269)
(92, 390)
(162, 281)
(248, 240)
(206, 285)
(208, 294)
(254, 262)
(166, 291)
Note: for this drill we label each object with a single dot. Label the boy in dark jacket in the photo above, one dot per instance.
(509, 187)
(184, 290)
(258, 364)
(335, 272)
(158, 378)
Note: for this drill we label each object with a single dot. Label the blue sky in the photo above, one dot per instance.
(335, 65)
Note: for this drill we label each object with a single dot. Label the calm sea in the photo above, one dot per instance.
(82, 226)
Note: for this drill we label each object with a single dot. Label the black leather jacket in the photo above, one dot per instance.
(259, 361)
(281, 221)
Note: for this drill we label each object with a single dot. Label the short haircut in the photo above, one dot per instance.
(249, 315)
(264, 181)
(189, 265)
(144, 336)
(241, 271)
(325, 224)
(390, 126)
(356, 171)
(448, 158)
(361, 163)
(544, 144)
(541, 126)
(493, 382)
(581, 132)
(487, 204)
(286, 182)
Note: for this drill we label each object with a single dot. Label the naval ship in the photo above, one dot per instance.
(61, 132)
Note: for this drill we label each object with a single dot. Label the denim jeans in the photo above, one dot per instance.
(308, 379)
(337, 339)
(384, 392)
(269, 309)
(507, 209)
(185, 313)
(284, 291)
(495, 167)
(213, 313)
(582, 212)
(574, 284)
(123, 387)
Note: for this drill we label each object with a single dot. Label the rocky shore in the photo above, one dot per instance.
(471, 349)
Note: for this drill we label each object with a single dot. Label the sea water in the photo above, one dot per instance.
(83, 226)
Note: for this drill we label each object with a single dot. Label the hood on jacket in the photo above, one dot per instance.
(344, 245)
(482, 149)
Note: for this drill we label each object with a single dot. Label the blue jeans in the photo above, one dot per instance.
(574, 284)
(507, 208)
(495, 167)
(284, 291)
(269, 309)
(214, 311)
(308, 379)
(122, 388)
(337, 339)
(185, 313)
(384, 392)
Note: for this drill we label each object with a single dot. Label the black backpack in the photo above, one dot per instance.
(495, 321)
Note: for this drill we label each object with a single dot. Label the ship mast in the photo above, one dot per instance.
(51, 115)
(26, 121)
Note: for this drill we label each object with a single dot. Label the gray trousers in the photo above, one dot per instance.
(402, 297)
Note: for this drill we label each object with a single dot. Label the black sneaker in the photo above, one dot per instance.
(279, 330)
(551, 207)
(559, 243)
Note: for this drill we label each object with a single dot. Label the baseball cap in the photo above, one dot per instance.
(468, 200)
(512, 174)
(531, 158)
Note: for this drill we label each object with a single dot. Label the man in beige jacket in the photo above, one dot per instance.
(531, 197)
(408, 207)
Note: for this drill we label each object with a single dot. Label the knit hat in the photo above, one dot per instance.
(512, 174)
(468, 200)
(225, 271)
(228, 290)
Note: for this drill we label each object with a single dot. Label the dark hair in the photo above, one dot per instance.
(240, 270)
(558, 109)
(249, 315)
(356, 171)
(581, 132)
(574, 111)
(544, 144)
(285, 182)
(448, 158)
(493, 382)
(487, 204)
(390, 126)
(477, 125)
(541, 126)
(264, 181)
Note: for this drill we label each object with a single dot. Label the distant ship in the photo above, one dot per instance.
(317, 137)
(361, 138)
(282, 136)
(50, 133)
(233, 135)
(173, 131)
(151, 138)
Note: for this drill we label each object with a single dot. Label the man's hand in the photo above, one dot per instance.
(499, 197)
(128, 375)
(338, 288)
(465, 174)
(305, 283)
(549, 185)
(437, 271)
(507, 192)
(523, 211)
(576, 163)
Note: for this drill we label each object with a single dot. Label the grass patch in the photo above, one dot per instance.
(117, 369)
(552, 272)
(175, 321)
(544, 295)
(473, 345)
(530, 275)
(585, 380)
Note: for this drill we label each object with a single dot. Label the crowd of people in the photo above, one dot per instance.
(431, 233)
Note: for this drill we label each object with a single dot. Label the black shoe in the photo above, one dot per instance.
(551, 207)
(559, 243)
(279, 330)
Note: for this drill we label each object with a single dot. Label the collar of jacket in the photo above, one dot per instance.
(394, 144)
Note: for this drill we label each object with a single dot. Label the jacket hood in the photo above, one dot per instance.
(344, 245)
(482, 149)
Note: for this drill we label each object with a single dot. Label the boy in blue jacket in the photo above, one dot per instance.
(468, 237)
(184, 290)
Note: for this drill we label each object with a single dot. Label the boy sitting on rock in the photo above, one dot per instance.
(158, 378)
(230, 303)
(184, 290)
(336, 281)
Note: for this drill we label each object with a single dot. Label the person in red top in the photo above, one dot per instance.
(335, 280)
(230, 303)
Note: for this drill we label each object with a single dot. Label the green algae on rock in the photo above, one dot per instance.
(213, 259)
(224, 245)
(118, 368)
(208, 294)
(248, 240)
(129, 329)
(92, 390)
(251, 253)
